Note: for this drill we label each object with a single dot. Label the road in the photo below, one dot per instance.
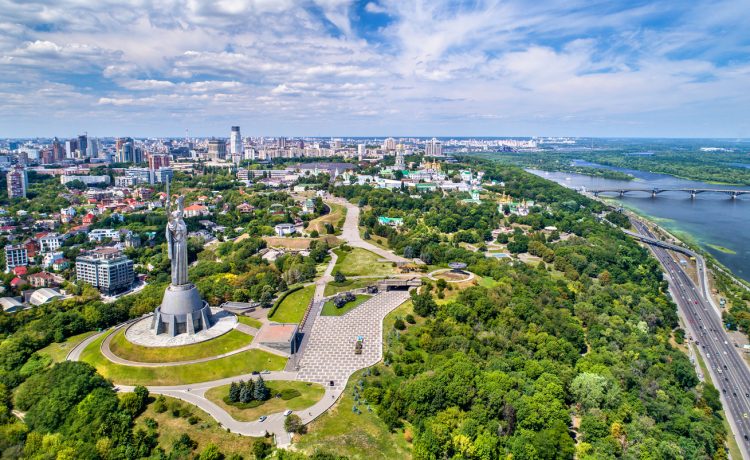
(728, 370)
(350, 233)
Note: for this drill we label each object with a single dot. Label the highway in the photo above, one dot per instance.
(729, 372)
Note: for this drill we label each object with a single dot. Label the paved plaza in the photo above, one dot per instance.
(329, 355)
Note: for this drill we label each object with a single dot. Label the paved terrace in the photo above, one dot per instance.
(329, 355)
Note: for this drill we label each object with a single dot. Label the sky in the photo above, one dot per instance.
(667, 68)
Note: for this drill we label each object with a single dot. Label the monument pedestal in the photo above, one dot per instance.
(181, 311)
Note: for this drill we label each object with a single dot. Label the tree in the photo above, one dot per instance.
(339, 277)
(234, 392)
(293, 424)
(588, 389)
(261, 449)
(211, 452)
(246, 392)
(261, 392)
(424, 304)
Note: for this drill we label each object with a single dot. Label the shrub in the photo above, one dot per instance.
(193, 420)
(160, 406)
(399, 324)
(410, 319)
(339, 277)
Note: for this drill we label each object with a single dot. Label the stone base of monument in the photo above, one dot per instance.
(141, 332)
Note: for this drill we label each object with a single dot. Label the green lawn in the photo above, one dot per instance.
(293, 307)
(334, 287)
(240, 363)
(252, 322)
(59, 351)
(360, 262)
(310, 393)
(225, 343)
(206, 431)
(329, 309)
(362, 436)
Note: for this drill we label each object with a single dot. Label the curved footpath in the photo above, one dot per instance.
(328, 354)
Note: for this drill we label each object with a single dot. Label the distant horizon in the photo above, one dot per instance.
(441, 137)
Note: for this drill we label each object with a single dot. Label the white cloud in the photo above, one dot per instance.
(437, 65)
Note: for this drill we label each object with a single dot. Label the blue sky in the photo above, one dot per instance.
(669, 68)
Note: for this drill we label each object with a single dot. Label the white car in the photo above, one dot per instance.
(287, 413)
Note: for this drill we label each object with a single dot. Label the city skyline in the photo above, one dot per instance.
(284, 68)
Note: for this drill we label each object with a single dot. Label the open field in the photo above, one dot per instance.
(232, 340)
(59, 351)
(334, 287)
(240, 363)
(310, 393)
(335, 218)
(206, 431)
(356, 436)
(329, 309)
(360, 262)
(293, 307)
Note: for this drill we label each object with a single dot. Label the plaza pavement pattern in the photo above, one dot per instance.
(329, 355)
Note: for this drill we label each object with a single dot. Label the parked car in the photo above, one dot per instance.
(287, 413)
(262, 418)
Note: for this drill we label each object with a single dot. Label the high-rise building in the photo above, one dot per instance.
(217, 149)
(360, 151)
(235, 141)
(83, 143)
(433, 148)
(17, 181)
(158, 160)
(58, 151)
(92, 148)
(282, 142)
(71, 145)
(106, 269)
(389, 144)
(125, 150)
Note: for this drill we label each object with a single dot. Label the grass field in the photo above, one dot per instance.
(329, 309)
(310, 393)
(232, 340)
(252, 322)
(206, 431)
(59, 351)
(240, 363)
(360, 262)
(362, 436)
(293, 307)
(334, 287)
(335, 217)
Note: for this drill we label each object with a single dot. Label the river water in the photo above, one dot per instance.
(714, 221)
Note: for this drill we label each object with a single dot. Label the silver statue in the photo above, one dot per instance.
(177, 243)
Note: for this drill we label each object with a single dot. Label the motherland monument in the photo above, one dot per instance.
(182, 310)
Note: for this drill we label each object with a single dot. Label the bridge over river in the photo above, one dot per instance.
(733, 194)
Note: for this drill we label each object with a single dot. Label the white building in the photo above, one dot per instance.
(285, 229)
(88, 180)
(99, 234)
(50, 242)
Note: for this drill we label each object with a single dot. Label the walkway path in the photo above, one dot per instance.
(350, 233)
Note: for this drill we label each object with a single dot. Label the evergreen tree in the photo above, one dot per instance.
(234, 391)
(261, 391)
(245, 394)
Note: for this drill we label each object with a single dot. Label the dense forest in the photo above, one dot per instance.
(580, 343)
